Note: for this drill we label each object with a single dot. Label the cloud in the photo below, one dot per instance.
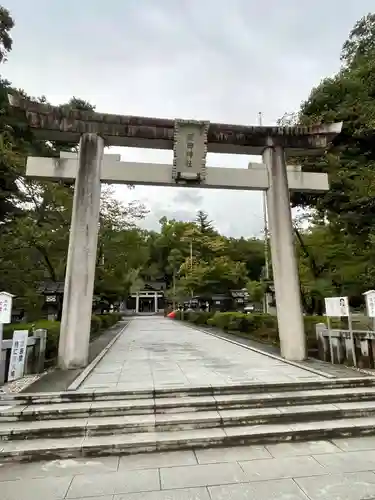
(204, 59)
(189, 197)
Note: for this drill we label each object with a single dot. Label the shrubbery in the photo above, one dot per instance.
(261, 327)
(98, 323)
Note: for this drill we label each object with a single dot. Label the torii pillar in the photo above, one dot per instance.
(80, 269)
(284, 261)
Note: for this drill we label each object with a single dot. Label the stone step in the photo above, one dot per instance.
(47, 449)
(182, 404)
(75, 427)
(252, 388)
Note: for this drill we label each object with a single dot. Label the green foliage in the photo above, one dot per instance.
(336, 251)
(95, 324)
(250, 251)
(204, 224)
(335, 248)
(194, 258)
(256, 290)
(6, 25)
(98, 324)
(35, 216)
(361, 41)
(198, 317)
(260, 327)
(53, 332)
(348, 96)
(122, 250)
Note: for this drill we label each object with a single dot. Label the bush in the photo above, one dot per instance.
(98, 323)
(52, 327)
(198, 317)
(178, 315)
(221, 320)
(261, 327)
(105, 320)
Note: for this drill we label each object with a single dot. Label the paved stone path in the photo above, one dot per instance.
(341, 469)
(60, 380)
(156, 352)
(337, 371)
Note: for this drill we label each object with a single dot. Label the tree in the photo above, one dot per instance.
(175, 260)
(6, 25)
(194, 261)
(336, 253)
(251, 252)
(34, 245)
(122, 249)
(36, 220)
(348, 97)
(203, 223)
(256, 290)
(43, 208)
(10, 166)
(218, 276)
(361, 41)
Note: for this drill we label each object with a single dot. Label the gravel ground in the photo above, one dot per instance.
(20, 384)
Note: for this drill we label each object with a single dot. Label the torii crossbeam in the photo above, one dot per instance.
(190, 141)
(115, 171)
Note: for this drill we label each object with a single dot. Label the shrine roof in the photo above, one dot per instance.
(62, 123)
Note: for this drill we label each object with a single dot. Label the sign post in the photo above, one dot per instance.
(338, 307)
(5, 318)
(18, 354)
(370, 305)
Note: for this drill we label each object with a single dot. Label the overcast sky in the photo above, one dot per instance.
(205, 59)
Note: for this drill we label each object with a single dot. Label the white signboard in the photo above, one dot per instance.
(18, 354)
(5, 307)
(370, 303)
(337, 306)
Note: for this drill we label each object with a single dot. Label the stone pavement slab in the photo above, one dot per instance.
(284, 489)
(302, 448)
(156, 352)
(157, 460)
(56, 468)
(231, 454)
(348, 462)
(354, 486)
(114, 483)
(184, 494)
(355, 444)
(282, 468)
(53, 488)
(201, 475)
(315, 470)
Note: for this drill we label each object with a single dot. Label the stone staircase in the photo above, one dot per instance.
(74, 424)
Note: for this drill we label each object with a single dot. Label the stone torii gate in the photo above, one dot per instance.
(190, 141)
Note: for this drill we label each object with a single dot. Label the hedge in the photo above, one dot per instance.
(260, 327)
(98, 323)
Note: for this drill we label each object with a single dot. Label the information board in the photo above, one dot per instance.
(18, 355)
(5, 307)
(370, 303)
(337, 306)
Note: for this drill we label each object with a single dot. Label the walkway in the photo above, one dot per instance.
(342, 469)
(155, 352)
